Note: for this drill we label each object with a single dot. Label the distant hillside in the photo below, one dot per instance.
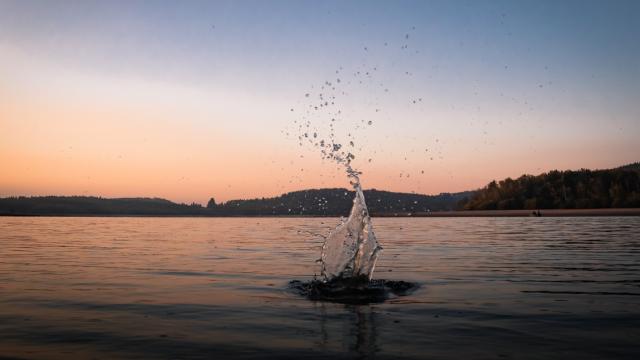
(321, 202)
(89, 205)
(339, 201)
(582, 189)
(635, 167)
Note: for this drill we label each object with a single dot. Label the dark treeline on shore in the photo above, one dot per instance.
(318, 202)
(581, 189)
(90, 205)
(338, 202)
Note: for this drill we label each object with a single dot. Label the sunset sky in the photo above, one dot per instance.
(189, 100)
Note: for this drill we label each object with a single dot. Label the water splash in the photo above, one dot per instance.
(333, 125)
(351, 249)
(338, 128)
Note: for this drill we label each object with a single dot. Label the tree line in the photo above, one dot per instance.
(581, 189)
(316, 202)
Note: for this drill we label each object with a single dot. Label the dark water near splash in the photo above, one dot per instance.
(216, 288)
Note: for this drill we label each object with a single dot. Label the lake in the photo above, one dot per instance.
(191, 288)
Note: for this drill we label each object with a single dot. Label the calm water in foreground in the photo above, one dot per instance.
(525, 288)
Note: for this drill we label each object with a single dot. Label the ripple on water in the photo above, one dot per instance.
(194, 288)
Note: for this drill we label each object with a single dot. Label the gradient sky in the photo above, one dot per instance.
(188, 100)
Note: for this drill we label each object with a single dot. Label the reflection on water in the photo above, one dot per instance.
(201, 288)
(358, 335)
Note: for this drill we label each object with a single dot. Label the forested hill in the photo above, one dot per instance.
(581, 189)
(90, 205)
(634, 167)
(323, 202)
(339, 202)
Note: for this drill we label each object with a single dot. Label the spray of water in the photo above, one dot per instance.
(334, 118)
(337, 128)
(351, 249)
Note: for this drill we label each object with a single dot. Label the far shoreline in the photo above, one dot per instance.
(529, 213)
(456, 213)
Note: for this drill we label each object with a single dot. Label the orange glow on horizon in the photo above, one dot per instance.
(71, 133)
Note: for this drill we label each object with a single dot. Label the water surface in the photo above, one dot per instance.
(526, 288)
